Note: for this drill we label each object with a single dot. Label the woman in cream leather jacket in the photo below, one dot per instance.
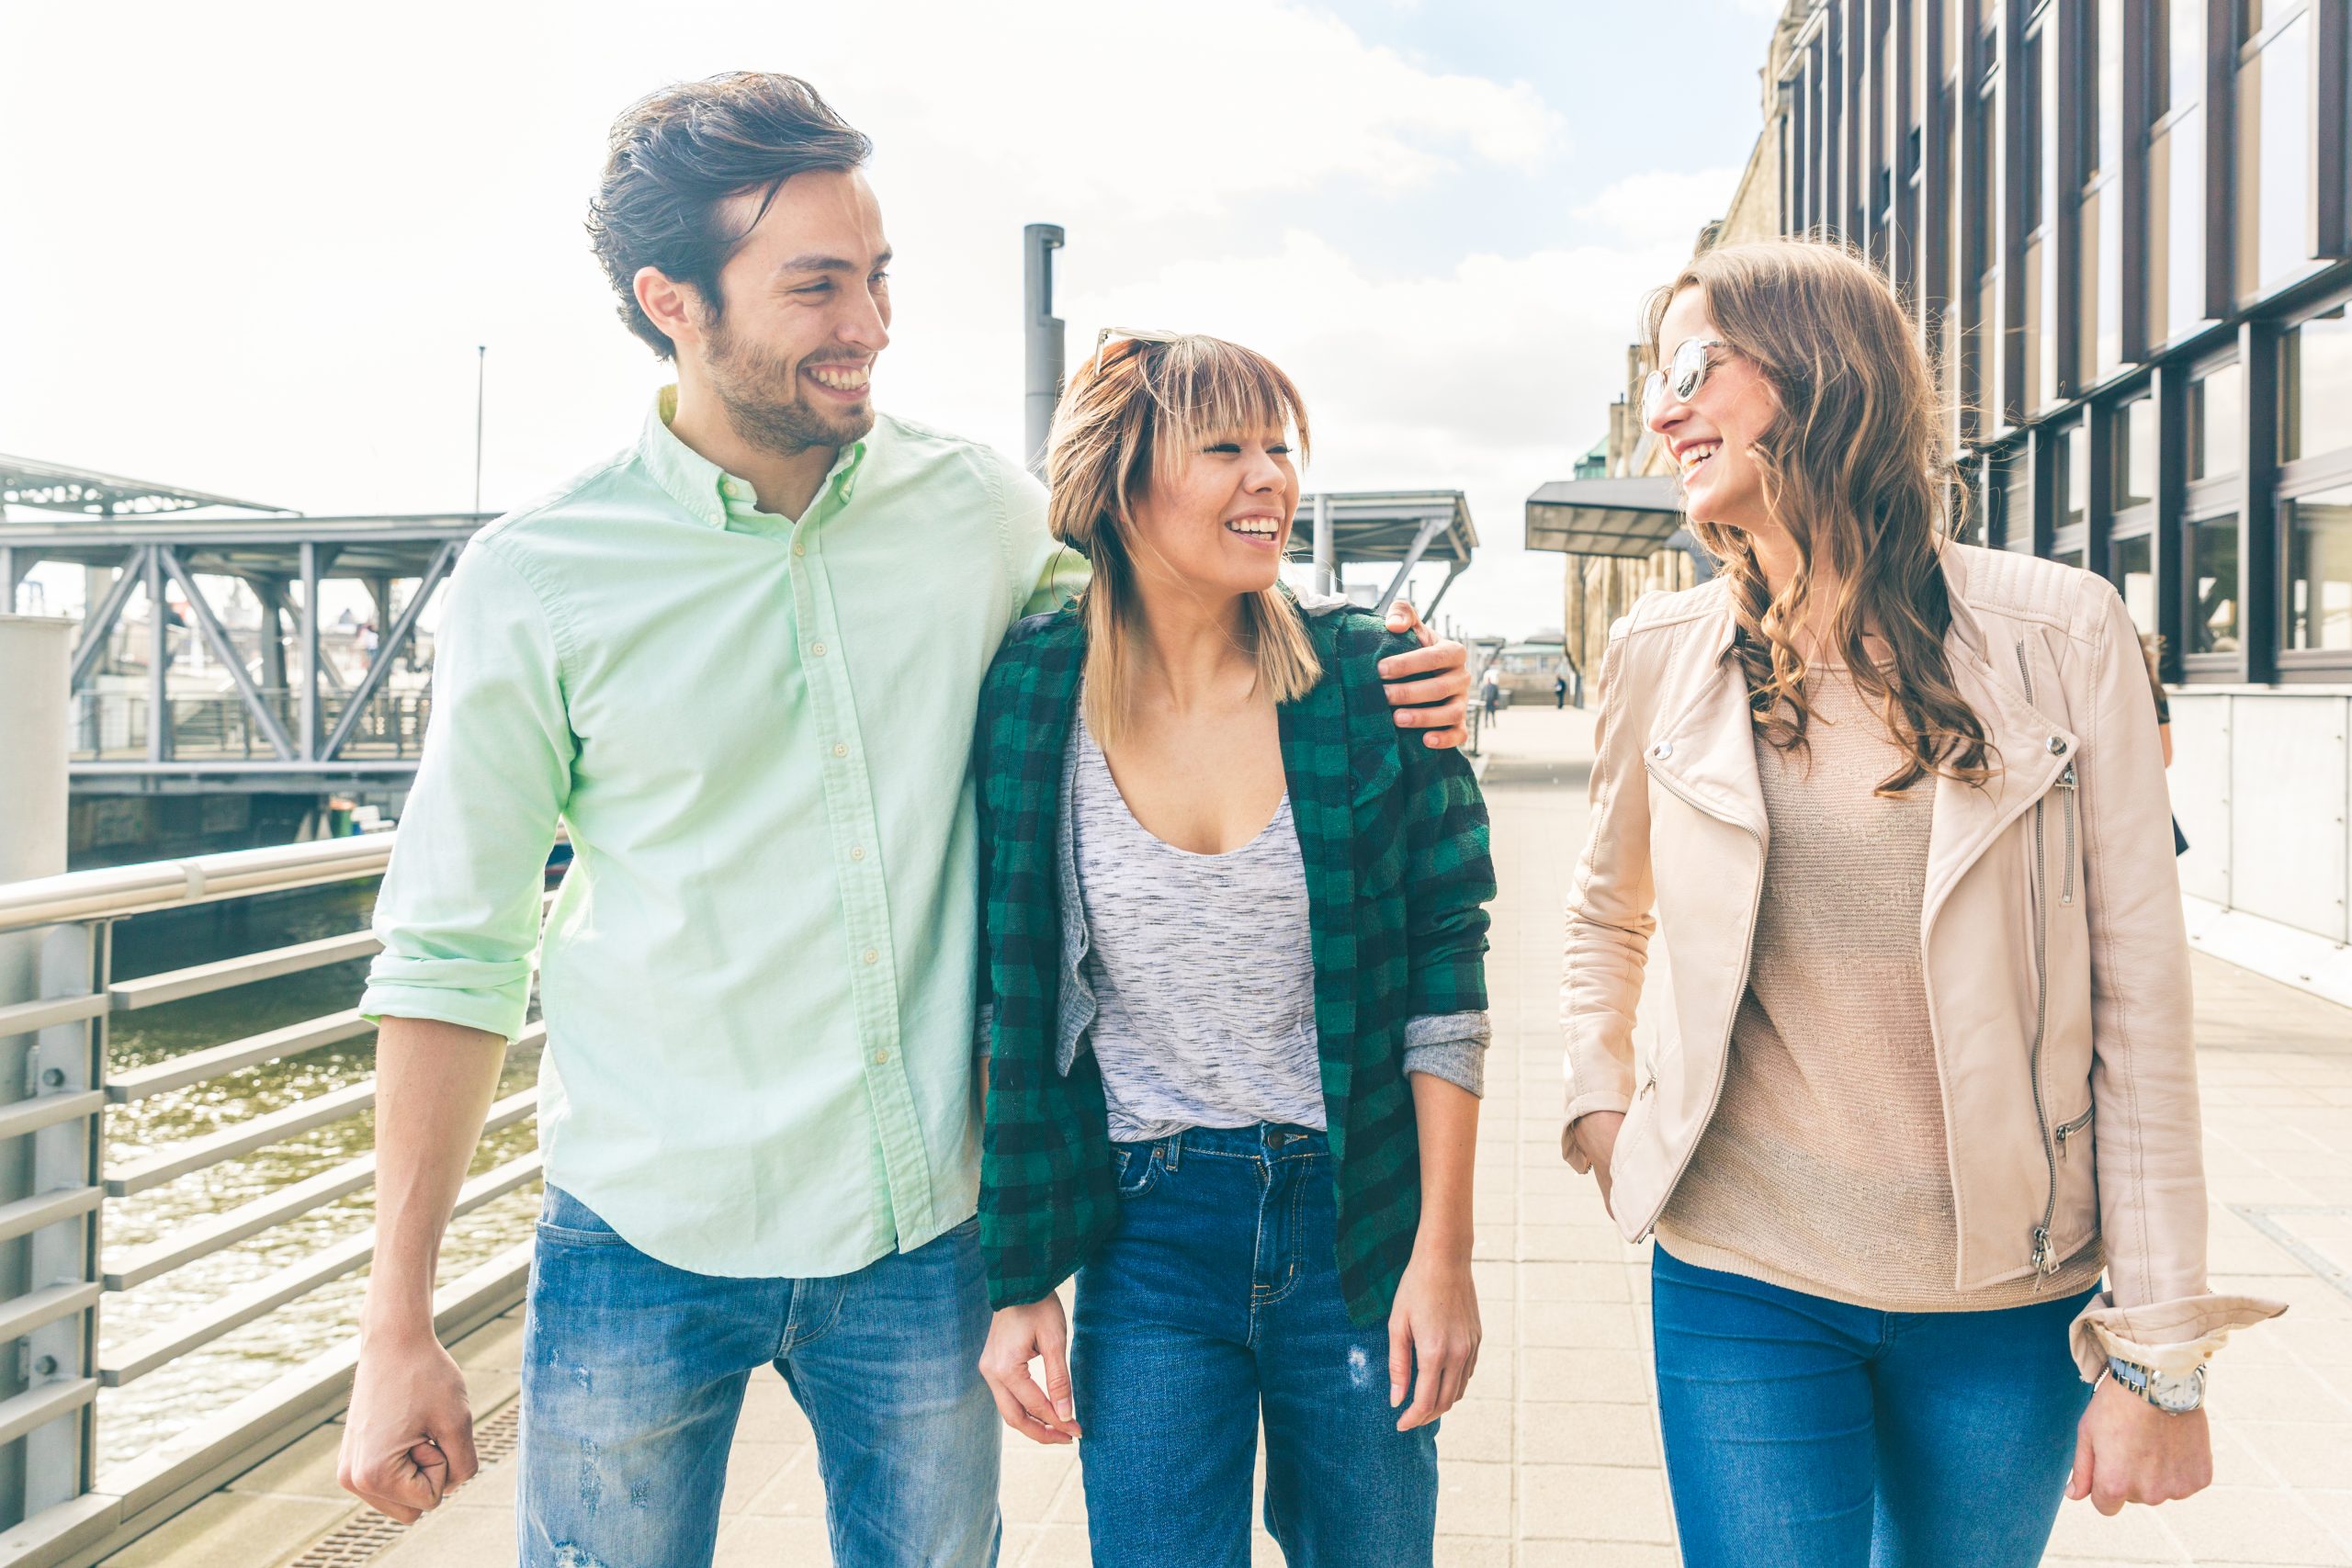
(1924, 1071)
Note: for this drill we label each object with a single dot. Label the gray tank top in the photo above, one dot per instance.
(1202, 972)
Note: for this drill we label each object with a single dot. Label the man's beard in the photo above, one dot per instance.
(761, 396)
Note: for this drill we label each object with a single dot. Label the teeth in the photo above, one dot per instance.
(1693, 456)
(1256, 527)
(840, 380)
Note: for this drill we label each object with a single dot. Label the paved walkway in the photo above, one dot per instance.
(1553, 1458)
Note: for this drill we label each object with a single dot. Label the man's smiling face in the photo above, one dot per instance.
(804, 309)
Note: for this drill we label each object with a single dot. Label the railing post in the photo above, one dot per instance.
(53, 1463)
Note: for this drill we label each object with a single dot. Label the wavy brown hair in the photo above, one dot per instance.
(1142, 406)
(1857, 468)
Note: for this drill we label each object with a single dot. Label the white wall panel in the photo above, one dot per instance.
(2288, 767)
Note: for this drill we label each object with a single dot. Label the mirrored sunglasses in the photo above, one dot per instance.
(1683, 375)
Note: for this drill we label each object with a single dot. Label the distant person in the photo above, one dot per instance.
(1886, 1174)
(2152, 648)
(1490, 692)
(739, 660)
(1260, 1173)
(1559, 691)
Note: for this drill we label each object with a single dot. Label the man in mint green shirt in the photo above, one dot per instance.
(739, 661)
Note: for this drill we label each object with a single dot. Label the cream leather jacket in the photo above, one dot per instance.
(2051, 936)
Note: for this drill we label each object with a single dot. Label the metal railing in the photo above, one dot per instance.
(71, 1511)
(111, 727)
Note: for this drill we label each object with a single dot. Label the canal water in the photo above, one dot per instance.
(155, 1410)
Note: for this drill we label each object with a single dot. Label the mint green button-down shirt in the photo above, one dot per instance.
(758, 976)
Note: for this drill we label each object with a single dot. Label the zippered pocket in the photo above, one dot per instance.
(2068, 790)
(2079, 1125)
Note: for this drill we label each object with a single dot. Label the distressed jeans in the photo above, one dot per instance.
(1214, 1306)
(634, 1373)
(1805, 1430)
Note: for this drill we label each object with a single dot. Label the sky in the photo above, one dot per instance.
(252, 248)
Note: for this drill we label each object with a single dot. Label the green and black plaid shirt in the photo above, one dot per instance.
(1393, 838)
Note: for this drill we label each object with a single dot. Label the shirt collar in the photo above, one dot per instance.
(702, 487)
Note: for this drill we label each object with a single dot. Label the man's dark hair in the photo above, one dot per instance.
(679, 153)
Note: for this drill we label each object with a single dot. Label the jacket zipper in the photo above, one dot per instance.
(2069, 1129)
(2045, 1260)
(2066, 783)
(1739, 994)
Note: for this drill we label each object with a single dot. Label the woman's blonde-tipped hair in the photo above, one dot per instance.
(1857, 470)
(1142, 405)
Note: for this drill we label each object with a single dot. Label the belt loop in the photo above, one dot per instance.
(1171, 1149)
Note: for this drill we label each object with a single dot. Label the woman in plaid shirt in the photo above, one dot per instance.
(1237, 1004)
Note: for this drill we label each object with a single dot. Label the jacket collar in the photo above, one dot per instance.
(1706, 751)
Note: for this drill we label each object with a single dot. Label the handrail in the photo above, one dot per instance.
(202, 979)
(52, 1326)
(112, 892)
(259, 1132)
(296, 1280)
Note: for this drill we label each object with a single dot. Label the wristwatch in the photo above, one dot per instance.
(2174, 1394)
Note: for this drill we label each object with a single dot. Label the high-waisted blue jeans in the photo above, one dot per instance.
(1803, 1430)
(1217, 1303)
(634, 1371)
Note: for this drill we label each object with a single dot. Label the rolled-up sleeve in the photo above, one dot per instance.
(459, 914)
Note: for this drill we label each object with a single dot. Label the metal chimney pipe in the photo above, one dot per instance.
(1042, 337)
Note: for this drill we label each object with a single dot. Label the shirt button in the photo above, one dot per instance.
(839, 750)
(881, 1058)
(871, 956)
(857, 853)
(818, 649)
(798, 548)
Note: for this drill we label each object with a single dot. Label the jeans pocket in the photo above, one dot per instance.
(1138, 1167)
(568, 1222)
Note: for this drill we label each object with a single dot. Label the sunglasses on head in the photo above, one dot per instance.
(1683, 375)
(1124, 340)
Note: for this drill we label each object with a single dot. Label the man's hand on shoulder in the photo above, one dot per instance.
(1430, 686)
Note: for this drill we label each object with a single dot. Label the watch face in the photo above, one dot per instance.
(2176, 1394)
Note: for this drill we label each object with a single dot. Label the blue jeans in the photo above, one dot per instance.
(1803, 1430)
(634, 1371)
(1217, 1303)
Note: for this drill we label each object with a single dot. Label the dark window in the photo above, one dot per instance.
(2084, 86)
(2159, 61)
(2135, 453)
(2028, 159)
(2213, 573)
(2071, 493)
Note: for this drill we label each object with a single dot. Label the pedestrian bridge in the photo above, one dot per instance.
(1553, 1458)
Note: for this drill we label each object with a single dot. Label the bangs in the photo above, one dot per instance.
(1204, 388)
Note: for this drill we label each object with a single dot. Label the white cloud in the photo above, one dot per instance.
(1662, 204)
(316, 252)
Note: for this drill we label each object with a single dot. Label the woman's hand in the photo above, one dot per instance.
(1017, 1336)
(1433, 1327)
(1439, 700)
(1596, 1136)
(2126, 1451)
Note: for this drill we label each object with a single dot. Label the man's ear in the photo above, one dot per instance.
(675, 307)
